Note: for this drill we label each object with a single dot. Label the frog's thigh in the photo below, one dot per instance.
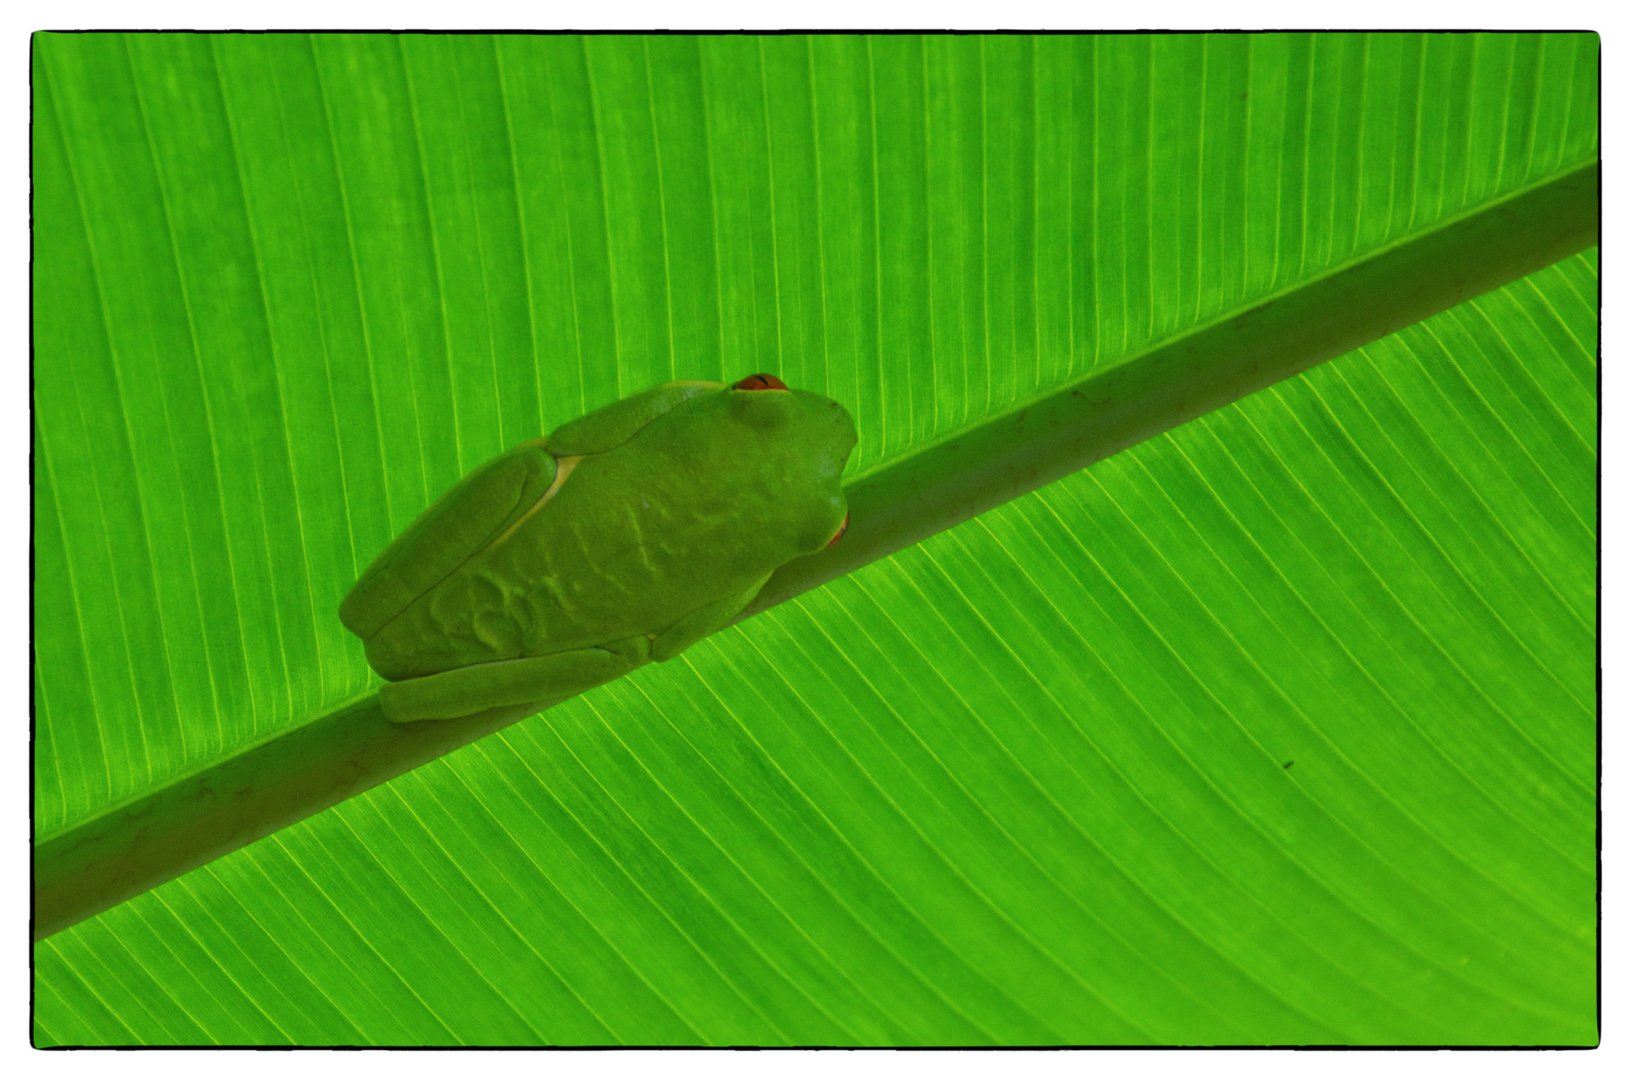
(458, 525)
(466, 690)
(702, 622)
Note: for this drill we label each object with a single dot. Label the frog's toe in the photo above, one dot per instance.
(527, 679)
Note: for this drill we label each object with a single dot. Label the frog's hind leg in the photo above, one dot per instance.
(457, 526)
(613, 425)
(702, 622)
(471, 689)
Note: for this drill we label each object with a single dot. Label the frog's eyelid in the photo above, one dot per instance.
(759, 381)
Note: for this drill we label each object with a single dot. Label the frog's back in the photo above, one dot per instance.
(632, 540)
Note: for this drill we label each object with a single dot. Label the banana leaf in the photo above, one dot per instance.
(1278, 727)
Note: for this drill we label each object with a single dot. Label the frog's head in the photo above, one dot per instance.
(814, 434)
(819, 426)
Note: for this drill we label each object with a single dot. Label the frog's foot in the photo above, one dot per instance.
(471, 689)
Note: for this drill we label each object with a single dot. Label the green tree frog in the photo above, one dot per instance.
(621, 537)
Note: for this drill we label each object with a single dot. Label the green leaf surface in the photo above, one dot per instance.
(1026, 782)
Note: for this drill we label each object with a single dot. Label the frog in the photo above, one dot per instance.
(620, 538)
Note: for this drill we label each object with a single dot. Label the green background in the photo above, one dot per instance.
(1025, 783)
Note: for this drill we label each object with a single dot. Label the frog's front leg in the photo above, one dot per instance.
(467, 690)
(702, 622)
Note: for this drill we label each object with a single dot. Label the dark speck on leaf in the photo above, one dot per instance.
(1288, 765)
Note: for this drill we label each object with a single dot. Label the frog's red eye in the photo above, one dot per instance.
(840, 531)
(759, 382)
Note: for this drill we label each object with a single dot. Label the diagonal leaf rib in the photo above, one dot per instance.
(1039, 441)
(147, 841)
